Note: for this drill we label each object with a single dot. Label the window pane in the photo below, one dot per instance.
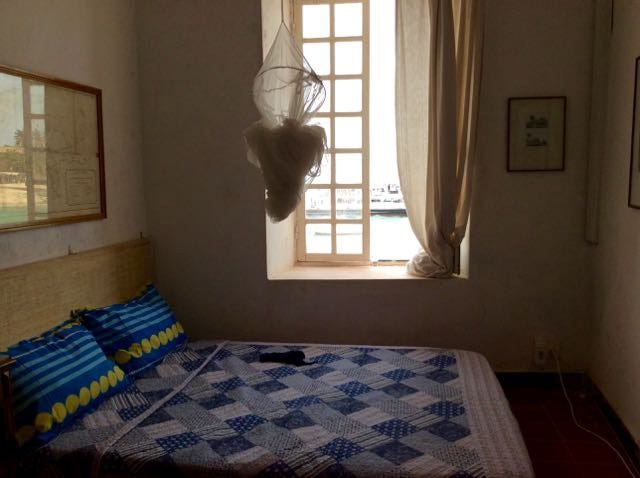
(38, 138)
(317, 54)
(318, 238)
(349, 238)
(348, 58)
(348, 19)
(348, 95)
(37, 99)
(39, 171)
(326, 124)
(325, 171)
(382, 69)
(348, 203)
(391, 236)
(326, 106)
(349, 132)
(349, 168)
(317, 204)
(315, 21)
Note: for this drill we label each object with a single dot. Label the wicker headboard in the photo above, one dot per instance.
(35, 297)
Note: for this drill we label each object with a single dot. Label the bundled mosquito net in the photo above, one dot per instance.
(288, 150)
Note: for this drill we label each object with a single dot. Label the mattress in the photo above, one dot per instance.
(213, 409)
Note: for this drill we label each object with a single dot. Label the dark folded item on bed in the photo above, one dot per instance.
(293, 357)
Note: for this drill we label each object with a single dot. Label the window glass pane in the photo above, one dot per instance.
(348, 19)
(349, 238)
(317, 204)
(348, 203)
(391, 235)
(349, 132)
(317, 54)
(326, 106)
(348, 58)
(326, 124)
(315, 21)
(348, 168)
(382, 126)
(39, 168)
(348, 95)
(39, 174)
(37, 99)
(325, 171)
(318, 238)
(38, 138)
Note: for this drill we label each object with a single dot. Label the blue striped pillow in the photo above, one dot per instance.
(137, 334)
(59, 376)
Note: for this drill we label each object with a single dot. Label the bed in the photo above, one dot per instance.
(214, 409)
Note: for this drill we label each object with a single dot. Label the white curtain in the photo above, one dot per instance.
(598, 114)
(438, 71)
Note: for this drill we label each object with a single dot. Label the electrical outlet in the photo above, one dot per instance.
(540, 352)
(545, 352)
(554, 351)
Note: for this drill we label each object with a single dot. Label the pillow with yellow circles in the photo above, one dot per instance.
(137, 334)
(59, 376)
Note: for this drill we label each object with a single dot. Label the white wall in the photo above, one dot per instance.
(615, 361)
(280, 235)
(529, 264)
(91, 42)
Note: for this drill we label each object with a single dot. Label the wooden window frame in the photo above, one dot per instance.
(334, 258)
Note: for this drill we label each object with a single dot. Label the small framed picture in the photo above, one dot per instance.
(536, 131)
(634, 168)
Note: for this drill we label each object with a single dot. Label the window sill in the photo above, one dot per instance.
(305, 272)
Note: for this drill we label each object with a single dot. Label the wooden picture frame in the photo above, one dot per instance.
(536, 131)
(51, 151)
(634, 161)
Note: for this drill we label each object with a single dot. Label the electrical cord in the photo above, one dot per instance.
(633, 473)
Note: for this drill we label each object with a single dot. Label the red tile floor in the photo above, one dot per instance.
(556, 446)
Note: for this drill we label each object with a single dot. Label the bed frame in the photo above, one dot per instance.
(37, 296)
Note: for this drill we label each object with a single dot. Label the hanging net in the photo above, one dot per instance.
(288, 151)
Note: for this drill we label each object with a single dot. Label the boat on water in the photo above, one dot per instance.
(385, 200)
(388, 207)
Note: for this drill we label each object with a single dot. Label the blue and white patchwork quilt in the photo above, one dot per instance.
(353, 412)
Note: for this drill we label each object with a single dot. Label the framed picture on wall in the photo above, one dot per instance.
(51, 151)
(536, 134)
(634, 168)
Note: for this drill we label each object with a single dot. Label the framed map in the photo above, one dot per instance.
(51, 151)
(536, 131)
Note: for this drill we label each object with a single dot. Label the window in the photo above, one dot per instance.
(353, 211)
